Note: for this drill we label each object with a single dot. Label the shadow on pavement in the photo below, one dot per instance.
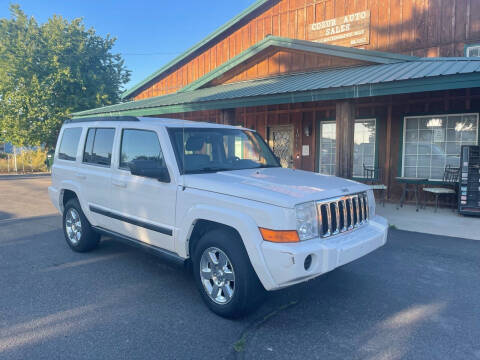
(413, 298)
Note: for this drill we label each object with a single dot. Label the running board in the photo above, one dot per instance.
(162, 253)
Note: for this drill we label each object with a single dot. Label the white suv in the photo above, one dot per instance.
(212, 196)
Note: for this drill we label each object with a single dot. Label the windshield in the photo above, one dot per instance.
(201, 150)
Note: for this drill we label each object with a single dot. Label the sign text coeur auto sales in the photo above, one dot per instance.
(348, 30)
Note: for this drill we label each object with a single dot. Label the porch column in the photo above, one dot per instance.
(345, 119)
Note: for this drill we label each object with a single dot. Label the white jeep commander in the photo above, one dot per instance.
(211, 194)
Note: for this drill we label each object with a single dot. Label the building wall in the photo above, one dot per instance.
(389, 112)
(416, 27)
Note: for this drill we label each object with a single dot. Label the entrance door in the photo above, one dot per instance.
(280, 139)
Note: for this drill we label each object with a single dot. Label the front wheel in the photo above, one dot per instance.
(224, 276)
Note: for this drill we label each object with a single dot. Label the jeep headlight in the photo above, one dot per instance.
(307, 220)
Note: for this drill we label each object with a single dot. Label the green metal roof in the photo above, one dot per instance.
(235, 20)
(302, 45)
(426, 74)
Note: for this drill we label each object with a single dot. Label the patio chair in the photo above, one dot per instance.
(448, 186)
(374, 177)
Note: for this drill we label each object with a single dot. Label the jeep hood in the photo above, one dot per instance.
(276, 186)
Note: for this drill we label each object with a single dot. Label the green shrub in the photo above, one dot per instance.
(27, 161)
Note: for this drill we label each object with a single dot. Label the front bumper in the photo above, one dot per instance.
(285, 262)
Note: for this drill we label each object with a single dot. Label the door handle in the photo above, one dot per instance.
(80, 176)
(118, 183)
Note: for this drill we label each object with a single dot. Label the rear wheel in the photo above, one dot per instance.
(77, 230)
(224, 276)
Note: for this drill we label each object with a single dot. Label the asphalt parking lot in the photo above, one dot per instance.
(415, 298)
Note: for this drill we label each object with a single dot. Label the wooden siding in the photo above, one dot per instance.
(280, 61)
(415, 27)
(388, 110)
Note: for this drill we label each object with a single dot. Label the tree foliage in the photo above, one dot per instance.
(48, 71)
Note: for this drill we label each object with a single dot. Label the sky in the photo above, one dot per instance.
(149, 33)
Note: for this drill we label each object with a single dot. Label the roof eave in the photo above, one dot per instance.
(444, 82)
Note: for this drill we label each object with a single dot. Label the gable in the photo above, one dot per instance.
(277, 61)
(291, 56)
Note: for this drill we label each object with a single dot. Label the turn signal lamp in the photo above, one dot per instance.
(279, 236)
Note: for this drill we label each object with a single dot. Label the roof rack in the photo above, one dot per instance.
(103, 118)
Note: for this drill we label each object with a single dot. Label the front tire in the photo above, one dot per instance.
(224, 275)
(77, 229)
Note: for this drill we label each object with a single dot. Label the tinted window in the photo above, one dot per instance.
(98, 146)
(69, 144)
(140, 145)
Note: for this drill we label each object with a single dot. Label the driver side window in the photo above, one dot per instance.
(140, 145)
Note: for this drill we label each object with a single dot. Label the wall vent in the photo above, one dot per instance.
(472, 51)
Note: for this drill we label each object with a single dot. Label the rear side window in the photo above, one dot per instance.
(99, 146)
(69, 144)
(140, 145)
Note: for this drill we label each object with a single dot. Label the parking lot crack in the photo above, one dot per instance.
(240, 345)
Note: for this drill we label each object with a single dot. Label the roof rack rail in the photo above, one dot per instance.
(103, 118)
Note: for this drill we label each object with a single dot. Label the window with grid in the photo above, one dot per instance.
(365, 132)
(430, 143)
(327, 147)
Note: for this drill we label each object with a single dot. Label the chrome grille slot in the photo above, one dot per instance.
(342, 214)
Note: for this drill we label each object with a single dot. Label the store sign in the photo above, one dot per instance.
(348, 30)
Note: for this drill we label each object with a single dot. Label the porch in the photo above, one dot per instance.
(443, 222)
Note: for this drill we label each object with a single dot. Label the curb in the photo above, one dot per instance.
(22, 176)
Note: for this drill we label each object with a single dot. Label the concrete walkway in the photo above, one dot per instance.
(444, 222)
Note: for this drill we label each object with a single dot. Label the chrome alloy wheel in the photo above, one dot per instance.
(73, 226)
(217, 275)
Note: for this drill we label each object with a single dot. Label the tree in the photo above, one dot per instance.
(48, 71)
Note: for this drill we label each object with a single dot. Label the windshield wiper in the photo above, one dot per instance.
(207, 170)
(269, 166)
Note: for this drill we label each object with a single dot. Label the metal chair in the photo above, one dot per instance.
(449, 183)
(374, 177)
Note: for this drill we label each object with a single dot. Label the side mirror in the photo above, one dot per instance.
(150, 169)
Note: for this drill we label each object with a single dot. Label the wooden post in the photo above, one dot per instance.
(388, 147)
(345, 119)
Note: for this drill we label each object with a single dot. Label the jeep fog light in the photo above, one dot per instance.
(307, 220)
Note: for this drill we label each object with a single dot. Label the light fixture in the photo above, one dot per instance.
(307, 130)
(435, 122)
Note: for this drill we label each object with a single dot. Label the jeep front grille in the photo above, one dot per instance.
(342, 214)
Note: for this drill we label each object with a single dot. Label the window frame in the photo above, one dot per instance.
(378, 125)
(78, 143)
(121, 143)
(468, 46)
(401, 165)
(319, 136)
(375, 147)
(93, 144)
